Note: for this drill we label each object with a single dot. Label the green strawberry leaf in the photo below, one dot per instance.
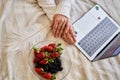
(54, 49)
(60, 52)
(51, 60)
(46, 59)
(37, 49)
(60, 49)
(53, 77)
(46, 53)
(59, 44)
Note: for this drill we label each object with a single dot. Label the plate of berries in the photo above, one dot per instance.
(49, 60)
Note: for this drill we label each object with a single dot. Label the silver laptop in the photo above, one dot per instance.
(95, 30)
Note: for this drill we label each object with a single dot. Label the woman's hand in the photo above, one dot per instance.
(70, 37)
(59, 25)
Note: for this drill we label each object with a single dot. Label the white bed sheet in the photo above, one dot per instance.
(23, 24)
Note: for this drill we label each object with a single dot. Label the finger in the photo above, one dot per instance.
(57, 30)
(55, 27)
(62, 28)
(69, 38)
(52, 24)
(65, 38)
(72, 33)
(67, 28)
(61, 22)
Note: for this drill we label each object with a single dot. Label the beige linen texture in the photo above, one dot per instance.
(23, 24)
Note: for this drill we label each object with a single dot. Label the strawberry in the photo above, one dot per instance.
(42, 49)
(46, 55)
(53, 45)
(55, 55)
(36, 51)
(47, 75)
(44, 61)
(35, 60)
(39, 70)
(41, 55)
(48, 48)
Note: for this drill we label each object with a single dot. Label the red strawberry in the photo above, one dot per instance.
(55, 55)
(42, 49)
(48, 48)
(39, 70)
(44, 61)
(47, 75)
(41, 55)
(36, 60)
(53, 45)
(35, 52)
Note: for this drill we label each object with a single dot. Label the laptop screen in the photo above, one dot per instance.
(98, 36)
(94, 31)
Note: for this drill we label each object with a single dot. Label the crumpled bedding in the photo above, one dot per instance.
(23, 24)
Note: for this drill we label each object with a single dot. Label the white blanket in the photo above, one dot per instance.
(23, 24)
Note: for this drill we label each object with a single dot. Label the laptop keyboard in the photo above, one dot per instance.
(98, 36)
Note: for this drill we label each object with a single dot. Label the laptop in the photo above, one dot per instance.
(98, 35)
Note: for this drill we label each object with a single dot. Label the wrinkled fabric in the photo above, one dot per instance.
(23, 24)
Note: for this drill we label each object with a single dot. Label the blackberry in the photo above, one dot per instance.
(55, 66)
(51, 67)
(57, 60)
(45, 68)
(61, 68)
(58, 65)
(53, 71)
(37, 65)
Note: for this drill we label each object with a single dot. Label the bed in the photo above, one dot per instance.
(18, 18)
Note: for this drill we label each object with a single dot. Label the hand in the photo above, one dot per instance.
(70, 37)
(59, 25)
